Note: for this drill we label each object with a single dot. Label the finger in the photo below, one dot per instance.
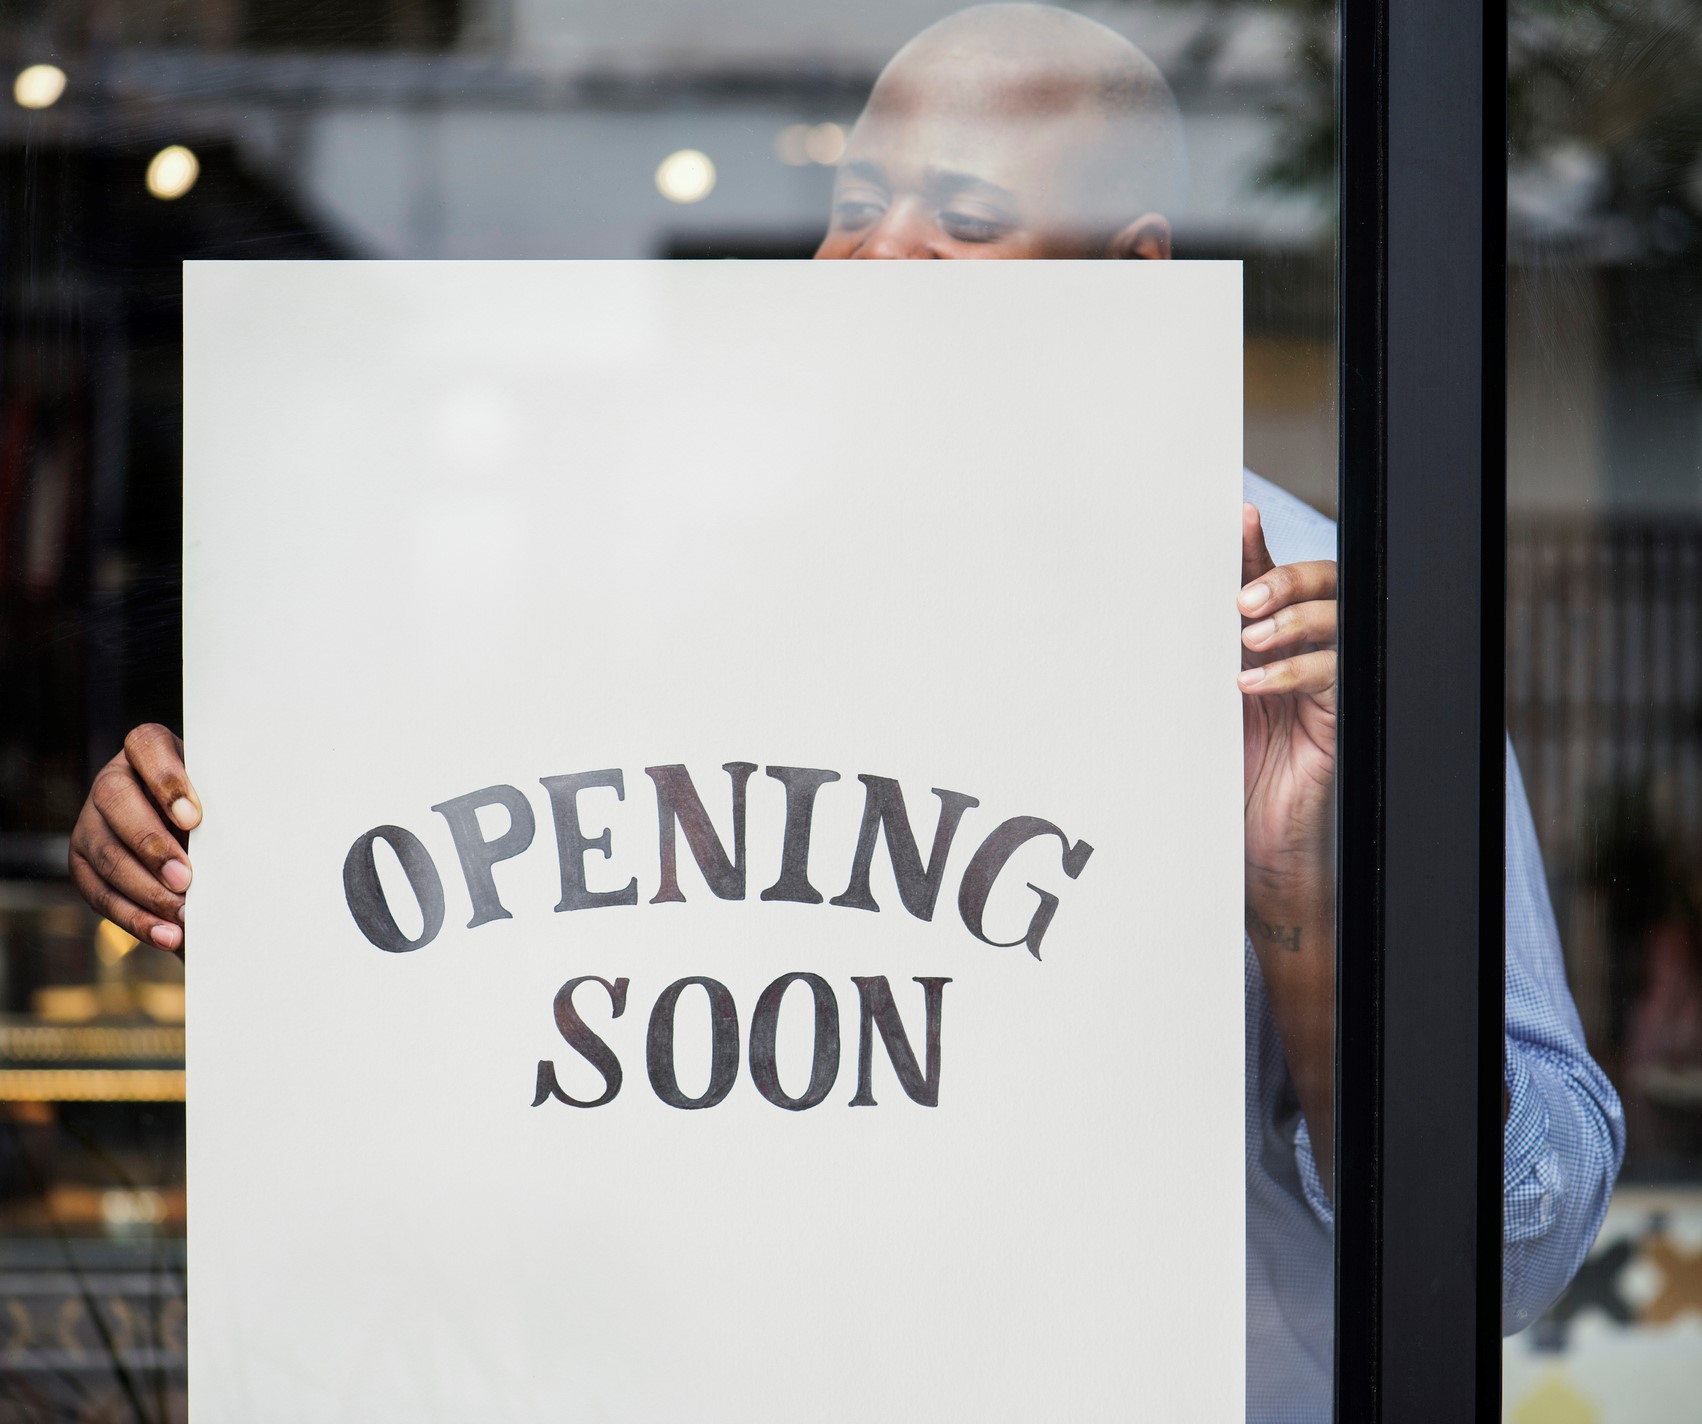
(155, 753)
(1313, 673)
(1255, 556)
(122, 872)
(136, 822)
(1313, 623)
(1288, 584)
(127, 916)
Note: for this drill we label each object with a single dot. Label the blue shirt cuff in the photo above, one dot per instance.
(1533, 1184)
(1316, 1196)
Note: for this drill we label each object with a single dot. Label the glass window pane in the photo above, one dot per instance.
(136, 137)
(1604, 685)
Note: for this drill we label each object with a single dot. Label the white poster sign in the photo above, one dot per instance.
(720, 897)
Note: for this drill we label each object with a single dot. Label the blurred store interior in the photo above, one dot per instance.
(134, 136)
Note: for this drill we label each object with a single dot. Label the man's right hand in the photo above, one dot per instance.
(127, 849)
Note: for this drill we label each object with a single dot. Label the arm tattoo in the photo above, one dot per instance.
(1282, 936)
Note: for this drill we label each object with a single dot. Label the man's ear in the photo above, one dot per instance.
(1148, 236)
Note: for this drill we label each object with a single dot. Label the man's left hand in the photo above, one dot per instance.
(1288, 682)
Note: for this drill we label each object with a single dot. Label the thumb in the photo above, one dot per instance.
(1255, 556)
(1255, 560)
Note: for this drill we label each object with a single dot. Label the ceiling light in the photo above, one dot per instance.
(685, 177)
(39, 86)
(172, 172)
(825, 143)
(790, 145)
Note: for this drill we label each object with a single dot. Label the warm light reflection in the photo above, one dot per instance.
(39, 86)
(825, 143)
(92, 1085)
(789, 145)
(112, 943)
(802, 144)
(172, 172)
(685, 177)
(125, 1208)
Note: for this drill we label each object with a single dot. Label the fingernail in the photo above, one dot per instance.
(166, 936)
(1252, 677)
(1255, 596)
(184, 812)
(176, 875)
(1258, 633)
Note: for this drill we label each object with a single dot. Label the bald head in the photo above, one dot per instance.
(1008, 64)
(1015, 126)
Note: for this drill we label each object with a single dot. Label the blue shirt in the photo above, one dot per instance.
(1565, 1133)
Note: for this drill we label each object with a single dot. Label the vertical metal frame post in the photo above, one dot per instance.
(1421, 794)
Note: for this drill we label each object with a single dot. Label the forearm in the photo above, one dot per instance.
(1294, 935)
(1564, 1140)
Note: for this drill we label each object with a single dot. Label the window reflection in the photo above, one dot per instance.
(1604, 644)
(146, 134)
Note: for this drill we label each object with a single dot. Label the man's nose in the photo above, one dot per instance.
(903, 232)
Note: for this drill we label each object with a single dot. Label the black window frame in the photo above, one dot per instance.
(1420, 952)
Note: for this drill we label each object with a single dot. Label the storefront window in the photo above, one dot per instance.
(141, 136)
(1604, 634)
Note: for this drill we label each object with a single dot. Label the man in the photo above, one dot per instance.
(1020, 131)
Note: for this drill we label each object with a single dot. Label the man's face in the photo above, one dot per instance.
(970, 158)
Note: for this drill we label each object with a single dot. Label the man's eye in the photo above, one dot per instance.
(855, 212)
(967, 227)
